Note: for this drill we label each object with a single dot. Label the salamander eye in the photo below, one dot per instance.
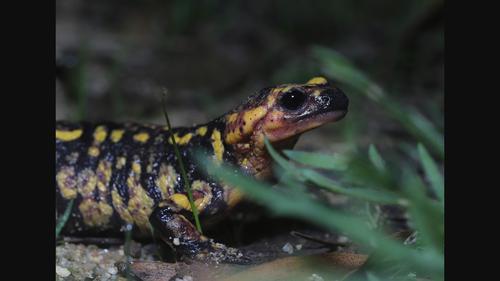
(293, 100)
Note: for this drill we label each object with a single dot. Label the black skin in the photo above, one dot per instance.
(172, 223)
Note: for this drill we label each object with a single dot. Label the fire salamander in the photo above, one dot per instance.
(127, 174)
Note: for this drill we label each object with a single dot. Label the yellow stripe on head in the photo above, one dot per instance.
(317, 81)
(244, 124)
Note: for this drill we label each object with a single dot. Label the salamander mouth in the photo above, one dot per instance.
(332, 116)
(296, 128)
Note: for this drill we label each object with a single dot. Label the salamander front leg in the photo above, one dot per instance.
(179, 232)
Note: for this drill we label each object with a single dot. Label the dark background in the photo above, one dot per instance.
(114, 57)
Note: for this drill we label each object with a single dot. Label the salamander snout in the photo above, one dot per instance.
(332, 99)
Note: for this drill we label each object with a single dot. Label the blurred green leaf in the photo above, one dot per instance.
(337, 67)
(322, 161)
(375, 158)
(383, 197)
(370, 276)
(277, 157)
(363, 173)
(426, 214)
(295, 204)
(432, 172)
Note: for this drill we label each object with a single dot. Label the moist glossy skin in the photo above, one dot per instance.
(128, 173)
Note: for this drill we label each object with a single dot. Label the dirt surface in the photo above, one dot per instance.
(90, 262)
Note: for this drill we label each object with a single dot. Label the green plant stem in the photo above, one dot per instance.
(182, 168)
(62, 221)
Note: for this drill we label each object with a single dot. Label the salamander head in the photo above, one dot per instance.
(281, 114)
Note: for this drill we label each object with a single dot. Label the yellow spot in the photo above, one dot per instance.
(103, 176)
(141, 137)
(95, 213)
(66, 181)
(167, 179)
(206, 191)
(244, 162)
(249, 119)
(181, 200)
(136, 167)
(120, 207)
(316, 93)
(68, 135)
(116, 135)
(181, 140)
(217, 145)
(100, 134)
(140, 205)
(201, 131)
(317, 81)
(93, 151)
(120, 162)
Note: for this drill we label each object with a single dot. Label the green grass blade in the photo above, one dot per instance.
(64, 218)
(277, 157)
(432, 172)
(182, 168)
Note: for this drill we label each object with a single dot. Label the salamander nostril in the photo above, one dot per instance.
(333, 99)
(325, 100)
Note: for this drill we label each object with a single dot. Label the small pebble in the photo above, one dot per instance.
(315, 277)
(298, 247)
(176, 241)
(342, 239)
(112, 270)
(61, 271)
(288, 248)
